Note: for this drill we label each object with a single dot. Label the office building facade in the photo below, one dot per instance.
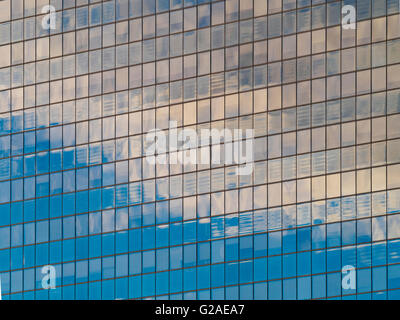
(85, 214)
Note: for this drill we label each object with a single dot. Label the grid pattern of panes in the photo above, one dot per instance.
(77, 194)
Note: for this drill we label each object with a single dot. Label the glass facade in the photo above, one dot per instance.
(78, 196)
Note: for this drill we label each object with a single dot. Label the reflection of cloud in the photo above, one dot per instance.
(274, 219)
(231, 225)
(108, 220)
(203, 207)
(122, 219)
(379, 228)
(246, 223)
(394, 226)
(393, 201)
(217, 227)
